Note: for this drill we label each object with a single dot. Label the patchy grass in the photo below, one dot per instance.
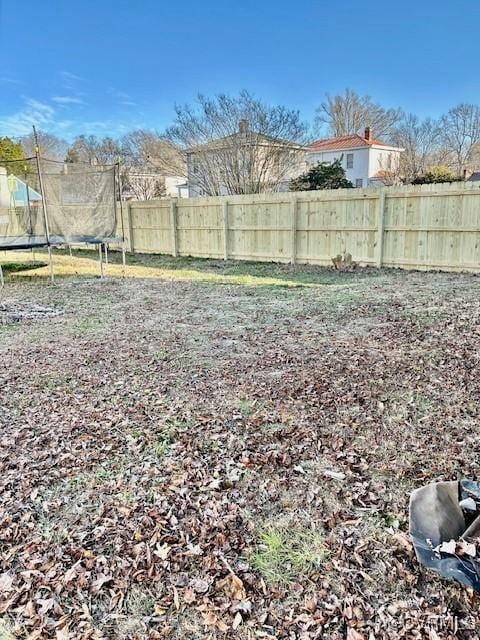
(209, 450)
(286, 552)
(15, 267)
(88, 325)
(85, 263)
(6, 632)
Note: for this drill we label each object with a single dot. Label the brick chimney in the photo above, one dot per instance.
(243, 126)
(368, 134)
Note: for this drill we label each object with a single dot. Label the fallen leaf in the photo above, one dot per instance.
(6, 582)
(189, 595)
(353, 634)
(237, 588)
(199, 585)
(237, 621)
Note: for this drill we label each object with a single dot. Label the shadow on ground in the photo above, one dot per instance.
(265, 274)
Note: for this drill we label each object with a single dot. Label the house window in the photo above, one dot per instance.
(349, 160)
(359, 183)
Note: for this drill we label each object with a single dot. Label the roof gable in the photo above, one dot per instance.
(244, 139)
(346, 142)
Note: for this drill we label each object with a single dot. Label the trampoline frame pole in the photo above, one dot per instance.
(2, 280)
(124, 255)
(72, 262)
(44, 206)
(50, 263)
(30, 228)
(100, 257)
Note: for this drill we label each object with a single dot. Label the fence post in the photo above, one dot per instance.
(380, 224)
(173, 227)
(225, 229)
(293, 258)
(130, 228)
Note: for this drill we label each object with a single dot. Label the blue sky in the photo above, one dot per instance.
(107, 66)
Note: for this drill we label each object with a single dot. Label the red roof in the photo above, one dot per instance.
(344, 142)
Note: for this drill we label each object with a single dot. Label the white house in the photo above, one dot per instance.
(176, 187)
(245, 161)
(144, 186)
(367, 162)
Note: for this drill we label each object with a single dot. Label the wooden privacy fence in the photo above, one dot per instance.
(415, 227)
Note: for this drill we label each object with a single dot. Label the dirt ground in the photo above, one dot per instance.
(227, 451)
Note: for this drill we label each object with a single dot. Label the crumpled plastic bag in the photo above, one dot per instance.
(441, 512)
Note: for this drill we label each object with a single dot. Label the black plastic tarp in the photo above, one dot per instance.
(443, 516)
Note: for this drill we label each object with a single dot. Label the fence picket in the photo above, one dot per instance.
(413, 227)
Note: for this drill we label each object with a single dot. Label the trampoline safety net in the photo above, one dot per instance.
(55, 203)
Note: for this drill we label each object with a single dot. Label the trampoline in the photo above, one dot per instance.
(47, 203)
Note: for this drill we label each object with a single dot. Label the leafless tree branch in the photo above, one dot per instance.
(350, 113)
(256, 158)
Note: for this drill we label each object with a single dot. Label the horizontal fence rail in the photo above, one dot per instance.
(425, 227)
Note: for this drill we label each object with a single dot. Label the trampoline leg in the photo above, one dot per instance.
(100, 257)
(2, 281)
(124, 260)
(106, 253)
(72, 261)
(50, 264)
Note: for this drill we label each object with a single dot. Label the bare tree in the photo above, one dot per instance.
(474, 157)
(149, 150)
(351, 113)
(238, 144)
(94, 150)
(421, 141)
(461, 133)
(144, 186)
(50, 146)
(147, 158)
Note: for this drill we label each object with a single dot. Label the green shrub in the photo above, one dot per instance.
(324, 175)
(438, 174)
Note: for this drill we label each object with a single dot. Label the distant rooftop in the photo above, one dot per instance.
(246, 136)
(349, 142)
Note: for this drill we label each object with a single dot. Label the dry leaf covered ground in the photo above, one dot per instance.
(216, 452)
